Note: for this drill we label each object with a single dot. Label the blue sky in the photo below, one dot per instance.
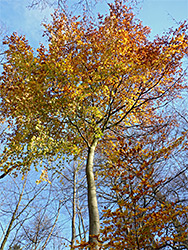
(157, 14)
(162, 14)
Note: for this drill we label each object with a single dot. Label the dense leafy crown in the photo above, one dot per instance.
(92, 79)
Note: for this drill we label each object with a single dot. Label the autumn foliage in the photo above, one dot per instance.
(145, 217)
(92, 77)
(94, 83)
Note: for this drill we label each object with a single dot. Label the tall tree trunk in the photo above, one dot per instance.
(94, 224)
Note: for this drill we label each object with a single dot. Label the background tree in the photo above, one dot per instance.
(30, 217)
(82, 5)
(42, 212)
(147, 214)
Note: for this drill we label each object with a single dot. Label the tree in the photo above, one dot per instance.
(12, 218)
(146, 215)
(94, 81)
(86, 5)
(27, 219)
(61, 4)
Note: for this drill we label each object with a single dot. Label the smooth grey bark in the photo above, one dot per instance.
(94, 223)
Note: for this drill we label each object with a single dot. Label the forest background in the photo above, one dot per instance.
(48, 209)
